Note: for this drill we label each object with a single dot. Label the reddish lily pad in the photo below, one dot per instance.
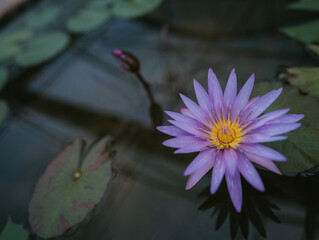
(69, 189)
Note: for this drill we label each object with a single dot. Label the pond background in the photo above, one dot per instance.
(84, 93)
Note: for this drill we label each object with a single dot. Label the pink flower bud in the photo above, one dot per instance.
(127, 60)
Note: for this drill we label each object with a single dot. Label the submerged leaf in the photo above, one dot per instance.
(13, 231)
(44, 17)
(302, 146)
(305, 78)
(68, 190)
(42, 49)
(134, 8)
(306, 32)
(308, 5)
(88, 19)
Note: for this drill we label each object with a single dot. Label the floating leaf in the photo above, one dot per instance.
(3, 111)
(302, 146)
(134, 8)
(42, 49)
(306, 32)
(309, 5)
(88, 19)
(68, 190)
(15, 36)
(314, 48)
(306, 79)
(13, 231)
(98, 3)
(3, 77)
(9, 43)
(42, 18)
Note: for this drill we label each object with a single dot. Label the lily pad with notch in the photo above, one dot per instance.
(72, 184)
(302, 146)
(43, 17)
(13, 231)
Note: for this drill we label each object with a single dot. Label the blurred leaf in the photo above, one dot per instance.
(3, 77)
(68, 190)
(302, 146)
(309, 5)
(15, 36)
(42, 49)
(43, 17)
(98, 3)
(134, 8)
(88, 19)
(306, 79)
(13, 231)
(314, 48)
(3, 111)
(306, 32)
(9, 43)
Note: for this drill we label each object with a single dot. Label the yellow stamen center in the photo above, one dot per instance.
(225, 134)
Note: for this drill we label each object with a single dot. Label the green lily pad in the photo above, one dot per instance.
(13, 231)
(69, 189)
(42, 49)
(306, 32)
(4, 110)
(314, 48)
(134, 8)
(305, 78)
(9, 43)
(44, 17)
(88, 19)
(15, 36)
(308, 5)
(98, 3)
(3, 77)
(302, 146)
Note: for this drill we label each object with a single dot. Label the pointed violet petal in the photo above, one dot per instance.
(251, 101)
(249, 172)
(202, 97)
(261, 138)
(184, 141)
(242, 97)
(230, 158)
(260, 105)
(263, 151)
(231, 89)
(288, 118)
(215, 92)
(195, 110)
(265, 118)
(266, 163)
(183, 118)
(234, 189)
(200, 160)
(199, 146)
(195, 177)
(277, 128)
(186, 112)
(218, 172)
(189, 128)
(172, 131)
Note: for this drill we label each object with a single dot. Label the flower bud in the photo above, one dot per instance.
(127, 60)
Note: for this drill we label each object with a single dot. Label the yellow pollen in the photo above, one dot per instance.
(225, 134)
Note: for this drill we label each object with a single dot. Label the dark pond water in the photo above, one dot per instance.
(84, 93)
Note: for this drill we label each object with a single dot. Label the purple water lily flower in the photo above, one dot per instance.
(227, 129)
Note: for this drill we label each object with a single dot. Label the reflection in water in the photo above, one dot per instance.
(256, 205)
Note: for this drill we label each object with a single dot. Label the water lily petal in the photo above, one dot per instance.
(234, 189)
(231, 89)
(200, 160)
(202, 97)
(263, 151)
(288, 118)
(172, 131)
(266, 163)
(230, 156)
(195, 177)
(215, 93)
(218, 172)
